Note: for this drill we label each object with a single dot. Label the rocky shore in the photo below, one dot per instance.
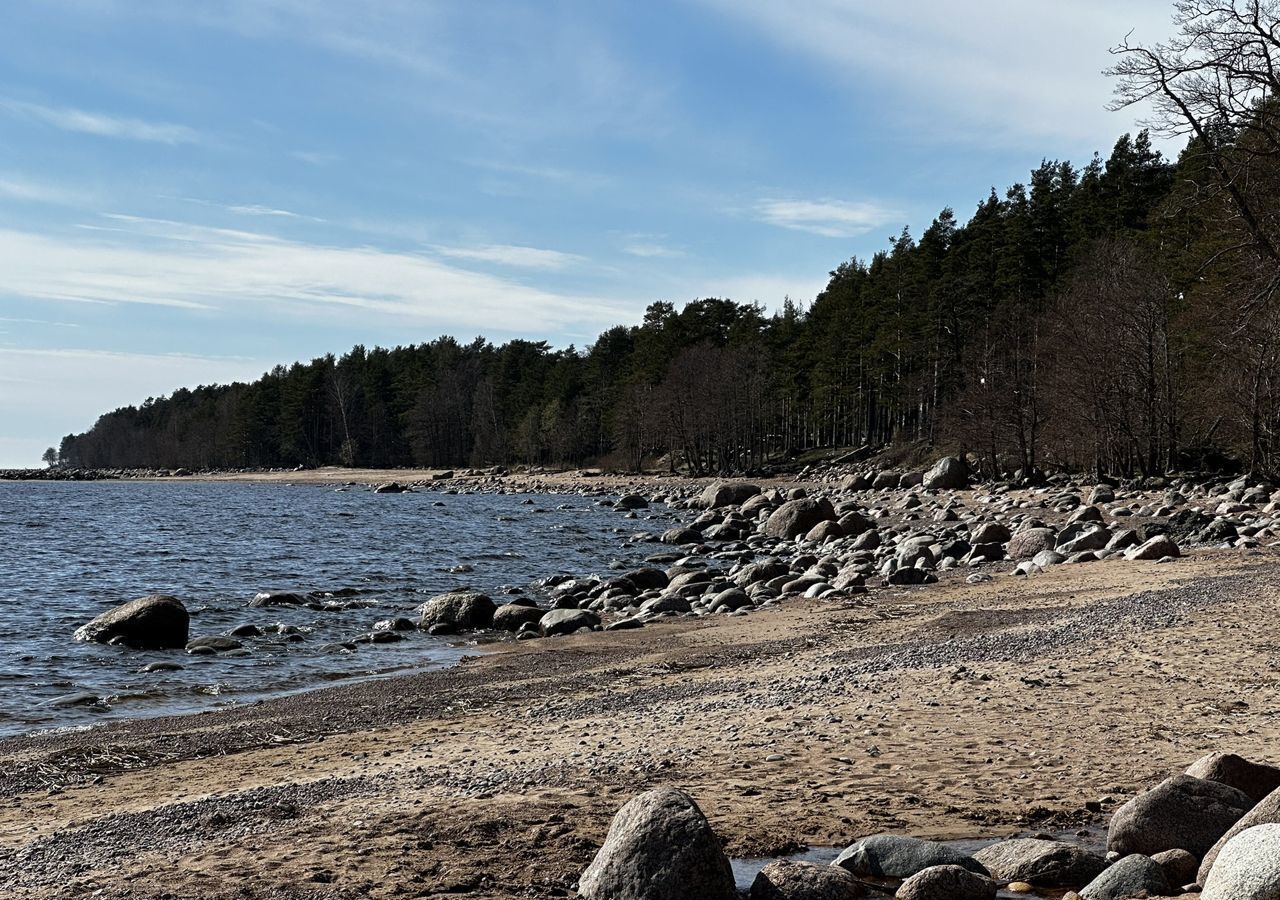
(859, 653)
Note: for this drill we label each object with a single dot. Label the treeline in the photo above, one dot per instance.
(1083, 319)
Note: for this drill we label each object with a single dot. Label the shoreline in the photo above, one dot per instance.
(937, 711)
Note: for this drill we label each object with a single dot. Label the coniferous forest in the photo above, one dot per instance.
(1118, 315)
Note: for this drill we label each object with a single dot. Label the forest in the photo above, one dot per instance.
(1117, 316)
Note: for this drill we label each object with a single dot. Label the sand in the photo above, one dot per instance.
(954, 710)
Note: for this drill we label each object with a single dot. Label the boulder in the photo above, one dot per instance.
(1042, 863)
(947, 883)
(947, 474)
(648, 579)
(154, 622)
(510, 616)
(727, 493)
(1129, 877)
(458, 609)
(795, 880)
(1157, 547)
(1179, 866)
(567, 621)
(990, 533)
(681, 536)
(660, 845)
(1267, 812)
(632, 501)
(1256, 780)
(1179, 813)
(797, 517)
(1248, 867)
(898, 856)
(1026, 544)
(212, 644)
(824, 530)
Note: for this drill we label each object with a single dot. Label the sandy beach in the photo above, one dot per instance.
(956, 710)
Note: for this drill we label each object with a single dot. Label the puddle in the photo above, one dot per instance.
(746, 870)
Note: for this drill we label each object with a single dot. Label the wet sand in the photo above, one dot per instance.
(952, 710)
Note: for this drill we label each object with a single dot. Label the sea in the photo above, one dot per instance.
(71, 550)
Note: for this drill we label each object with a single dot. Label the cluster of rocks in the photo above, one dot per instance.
(1213, 831)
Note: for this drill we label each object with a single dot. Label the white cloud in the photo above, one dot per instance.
(15, 187)
(174, 264)
(650, 246)
(102, 125)
(514, 256)
(315, 157)
(992, 69)
(828, 218)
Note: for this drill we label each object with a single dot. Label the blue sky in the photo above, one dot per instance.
(193, 191)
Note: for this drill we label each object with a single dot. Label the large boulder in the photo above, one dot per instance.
(727, 493)
(1158, 547)
(567, 621)
(989, 533)
(1042, 863)
(1129, 877)
(1267, 812)
(1027, 543)
(1181, 812)
(947, 883)
(660, 845)
(510, 616)
(793, 880)
(897, 856)
(797, 517)
(458, 609)
(154, 622)
(1256, 780)
(1248, 868)
(947, 474)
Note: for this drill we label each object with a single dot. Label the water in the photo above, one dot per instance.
(69, 551)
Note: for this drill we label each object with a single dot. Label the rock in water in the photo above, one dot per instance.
(1128, 878)
(947, 474)
(792, 880)
(154, 622)
(1179, 813)
(947, 883)
(659, 847)
(1254, 779)
(897, 856)
(727, 493)
(1044, 863)
(458, 609)
(1248, 867)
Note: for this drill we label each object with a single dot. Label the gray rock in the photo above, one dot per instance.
(898, 856)
(1179, 866)
(510, 616)
(1256, 780)
(1128, 877)
(727, 493)
(1093, 539)
(1026, 544)
(990, 533)
(567, 621)
(947, 474)
(278, 598)
(1046, 558)
(647, 579)
(632, 501)
(1248, 867)
(681, 536)
(659, 847)
(1267, 812)
(1179, 813)
(212, 643)
(667, 603)
(1158, 547)
(154, 622)
(1042, 863)
(796, 880)
(797, 517)
(947, 883)
(458, 609)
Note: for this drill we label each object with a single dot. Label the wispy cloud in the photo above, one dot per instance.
(192, 267)
(315, 157)
(650, 246)
(15, 187)
(514, 256)
(828, 218)
(101, 124)
(252, 209)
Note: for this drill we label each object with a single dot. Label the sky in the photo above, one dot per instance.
(192, 192)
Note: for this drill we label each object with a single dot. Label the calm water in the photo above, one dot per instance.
(70, 551)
